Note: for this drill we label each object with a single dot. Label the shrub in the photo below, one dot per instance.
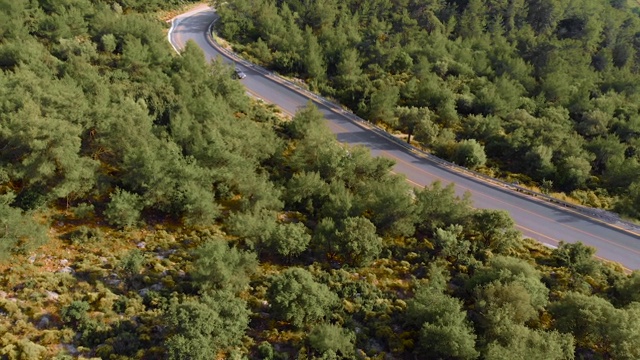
(327, 338)
(75, 312)
(84, 211)
(470, 153)
(83, 235)
(123, 209)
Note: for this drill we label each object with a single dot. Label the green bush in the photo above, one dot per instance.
(327, 338)
(123, 209)
(75, 312)
(469, 153)
(19, 232)
(84, 211)
(265, 351)
(83, 235)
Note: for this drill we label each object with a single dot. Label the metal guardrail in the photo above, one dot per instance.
(597, 214)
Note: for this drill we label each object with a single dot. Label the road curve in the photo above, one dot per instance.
(541, 221)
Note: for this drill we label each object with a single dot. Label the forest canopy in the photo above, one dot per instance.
(150, 209)
(544, 88)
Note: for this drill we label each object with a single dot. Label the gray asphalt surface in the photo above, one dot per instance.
(535, 219)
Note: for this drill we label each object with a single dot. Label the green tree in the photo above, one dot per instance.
(543, 15)
(573, 172)
(384, 200)
(521, 342)
(620, 175)
(630, 204)
(439, 207)
(289, 239)
(496, 230)
(470, 153)
(108, 42)
(348, 75)
(305, 191)
(598, 327)
(218, 266)
(297, 298)
(412, 120)
(312, 59)
(311, 153)
(358, 241)
(19, 232)
(504, 278)
(324, 237)
(75, 313)
(353, 240)
(124, 208)
(451, 244)
(447, 341)
(332, 339)
(509, 299)
(444, 329)
(383, 102)
(200, 328)
(197, 204)
(593, 123)
(539, 162)
(576, 257)
(44, 151)
(12, 24)
(339, 202)
(483, 128)
(131, 264)
(473, 22)
(628, 290)
(252, 227)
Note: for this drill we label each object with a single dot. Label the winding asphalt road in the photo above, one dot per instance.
(544, 222)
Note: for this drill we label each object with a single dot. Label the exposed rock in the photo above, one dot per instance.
(44, 322)
(167, 253)
(141, 245)
(52, 295)
(113, 280)
(374, 346)
(66, 270)
(72, 350)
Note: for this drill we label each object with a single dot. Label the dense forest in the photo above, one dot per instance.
(149, 209)
(544, 88)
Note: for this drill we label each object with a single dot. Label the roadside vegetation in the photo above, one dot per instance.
(541, 92)
(149, 209)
